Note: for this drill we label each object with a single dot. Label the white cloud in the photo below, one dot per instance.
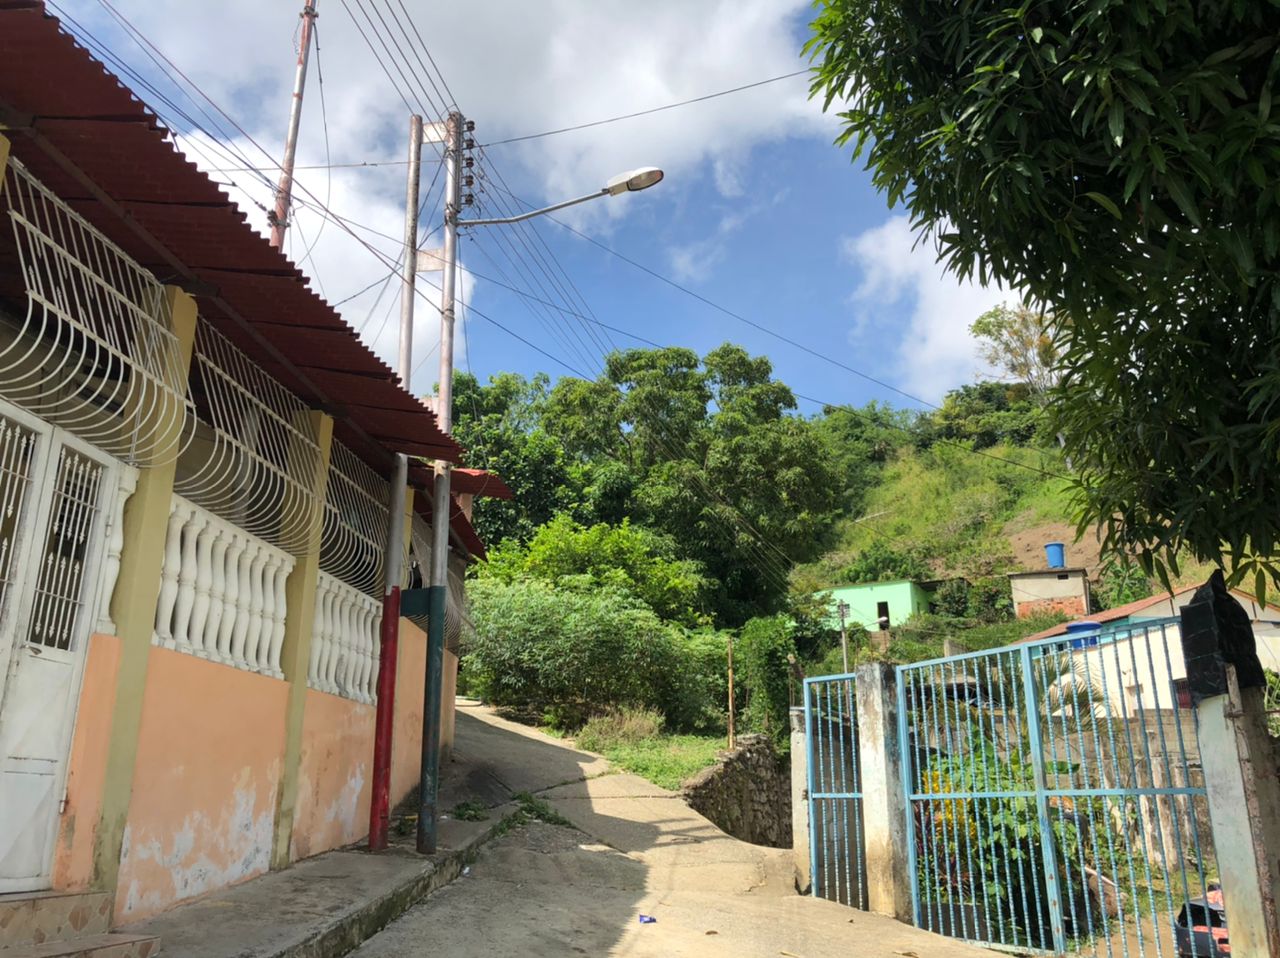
(515, 68)
(906, 296)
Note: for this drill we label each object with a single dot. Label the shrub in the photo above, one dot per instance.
(619, 727)
(761, 656)
(573, 654)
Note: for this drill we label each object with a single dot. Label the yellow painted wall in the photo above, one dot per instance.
(208, 767)
(87, 766)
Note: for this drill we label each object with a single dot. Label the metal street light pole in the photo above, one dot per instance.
(438, 592)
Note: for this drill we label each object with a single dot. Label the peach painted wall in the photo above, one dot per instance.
(205, 783)
(87, 766)
(406, 740)
(334, 775)
(334, 779)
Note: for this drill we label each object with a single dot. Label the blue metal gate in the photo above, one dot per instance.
(835, 792)
(1056, 802)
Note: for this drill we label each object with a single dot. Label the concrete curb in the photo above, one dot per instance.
(357, 925)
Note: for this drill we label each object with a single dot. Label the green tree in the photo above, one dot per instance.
(633, 560)
(882, 563)
(761, 659)
(986, 414)
(499, 424)
(1019, 340)
(1112, 160)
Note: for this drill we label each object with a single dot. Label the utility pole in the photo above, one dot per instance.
(438, 594)
(842, 607)
(279, 217)
(393, 557)
(732, 741)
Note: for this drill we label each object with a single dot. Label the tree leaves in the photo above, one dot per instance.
(1117, 170)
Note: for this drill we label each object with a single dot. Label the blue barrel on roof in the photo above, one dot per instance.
(1083, 635)
(1055, 554)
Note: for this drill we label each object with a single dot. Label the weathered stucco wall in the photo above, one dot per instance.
(406, 741)
(201, 812)
(87, 766)
(334, 782)
(747, 793)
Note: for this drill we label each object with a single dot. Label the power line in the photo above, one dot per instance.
(656, 109)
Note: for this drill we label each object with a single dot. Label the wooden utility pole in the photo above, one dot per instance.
(731, 735)
(284, 192)
(842, 607)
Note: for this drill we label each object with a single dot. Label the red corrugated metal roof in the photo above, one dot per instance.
(86, 137)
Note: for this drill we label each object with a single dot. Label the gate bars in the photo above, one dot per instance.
(835, 790)
(1055, 796)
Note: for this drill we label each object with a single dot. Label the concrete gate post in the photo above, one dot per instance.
(800, 802)
(1240, 767)
(884, 805)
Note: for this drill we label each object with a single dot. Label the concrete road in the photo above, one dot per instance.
(632, 849)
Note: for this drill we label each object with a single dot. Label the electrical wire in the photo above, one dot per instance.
(656, 109)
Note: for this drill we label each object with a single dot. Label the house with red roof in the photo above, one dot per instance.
(195, 457)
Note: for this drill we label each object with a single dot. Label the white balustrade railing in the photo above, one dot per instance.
(128, 482)
(222, 594)
(344, 642)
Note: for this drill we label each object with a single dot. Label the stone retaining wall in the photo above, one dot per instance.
(747, 793)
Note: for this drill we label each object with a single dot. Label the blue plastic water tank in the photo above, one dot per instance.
(1083, 635)
(1055, 554)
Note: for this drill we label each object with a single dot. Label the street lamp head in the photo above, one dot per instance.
(634, 181)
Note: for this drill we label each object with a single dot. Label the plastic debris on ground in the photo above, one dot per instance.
(647, 919)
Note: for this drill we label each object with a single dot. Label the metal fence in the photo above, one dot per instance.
(1055, 797)
(836, 848)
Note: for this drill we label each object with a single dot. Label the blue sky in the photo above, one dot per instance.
(759, 213)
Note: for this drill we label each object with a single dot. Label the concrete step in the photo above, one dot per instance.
(90, 946)
(38, 917)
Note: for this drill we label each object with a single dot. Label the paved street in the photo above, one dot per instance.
(553, 890)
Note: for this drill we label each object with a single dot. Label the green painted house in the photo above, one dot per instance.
(872, 602)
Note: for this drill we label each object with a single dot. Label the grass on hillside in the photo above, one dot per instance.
(633, 740)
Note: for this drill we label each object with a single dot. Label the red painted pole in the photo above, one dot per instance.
(380, 803)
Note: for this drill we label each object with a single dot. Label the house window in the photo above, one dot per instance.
(882, 614)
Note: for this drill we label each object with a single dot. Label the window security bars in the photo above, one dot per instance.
(419, 576)
(95, 353)
(59, 587)
(836, 844)
(251, 455)
(1056, 800)
(17, 449)
(355, 522)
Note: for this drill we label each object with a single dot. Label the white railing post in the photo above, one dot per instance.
(127, 483)
(204, 579)
(187, 580)
(280, 569)
(218, 598)
(169, 575)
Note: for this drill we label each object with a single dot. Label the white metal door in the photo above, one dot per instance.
(52, 491)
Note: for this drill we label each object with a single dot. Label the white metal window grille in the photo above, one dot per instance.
(17, 446)
(251, 454)
(59, 593)
(355, 522)
(95, 353)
